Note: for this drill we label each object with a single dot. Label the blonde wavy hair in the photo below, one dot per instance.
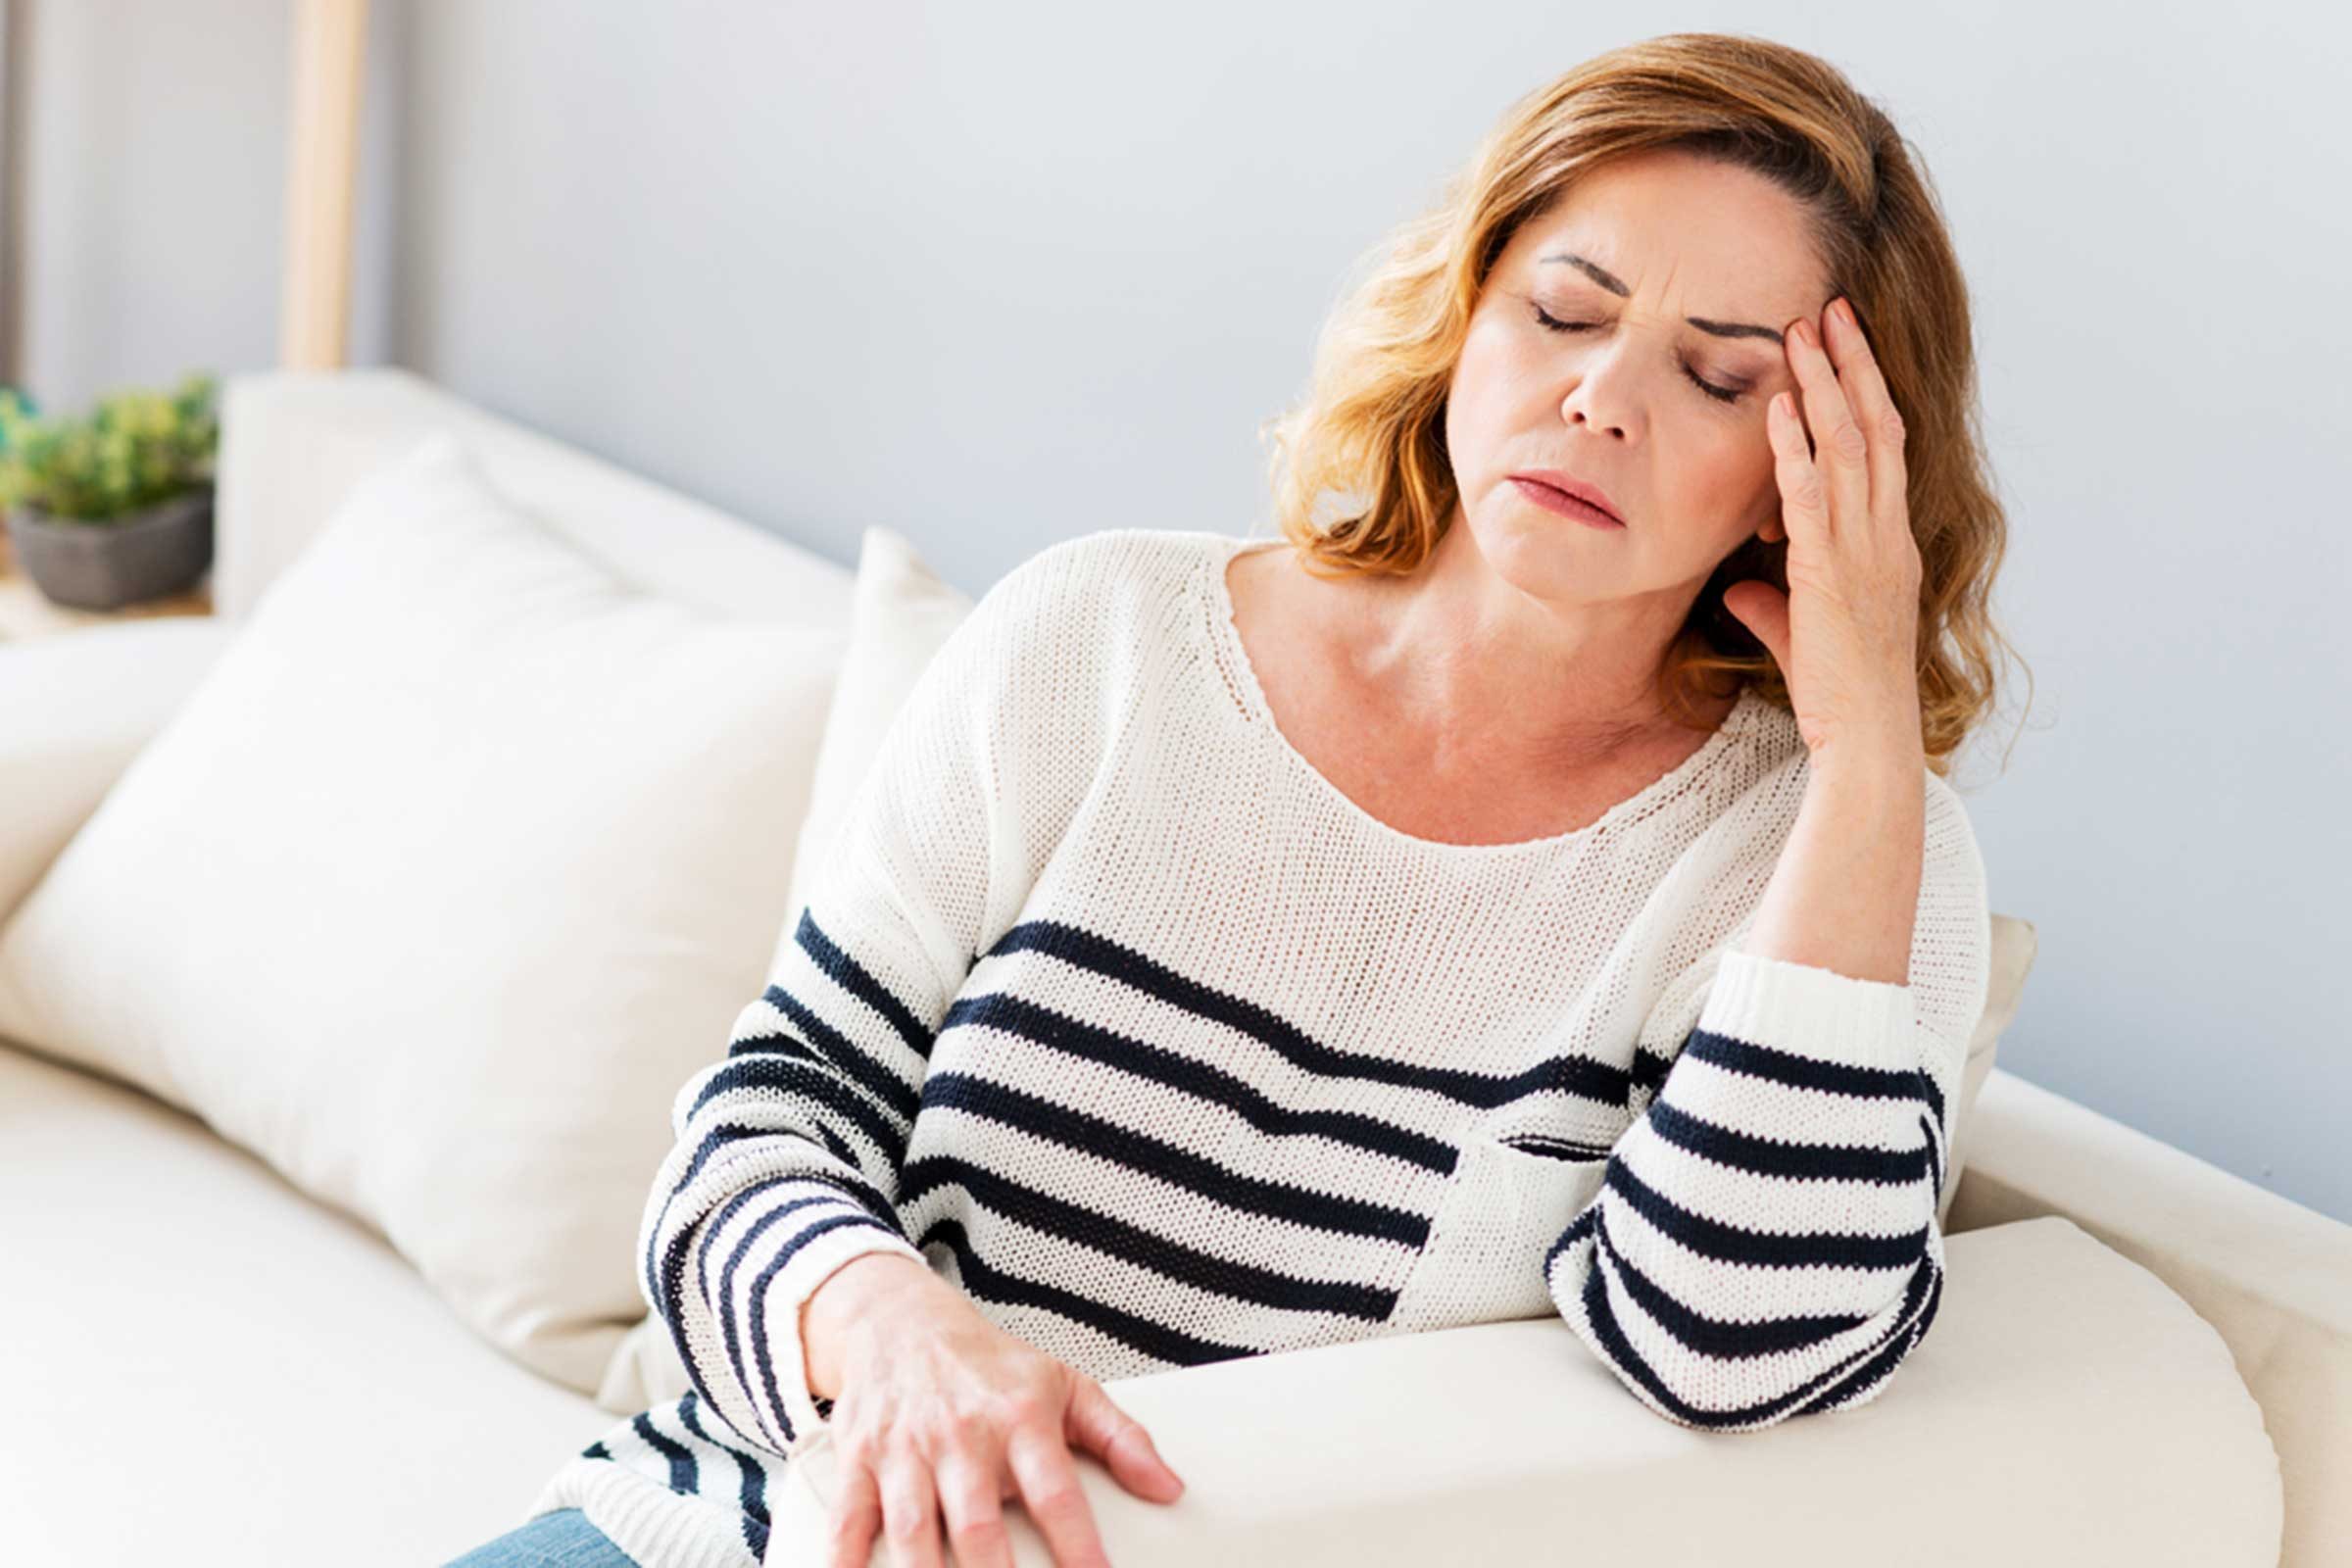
(1369, 435)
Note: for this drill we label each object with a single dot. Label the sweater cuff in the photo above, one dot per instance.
(1812, 1013)
(809, 1267)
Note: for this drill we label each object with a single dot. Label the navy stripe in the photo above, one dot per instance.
(1067, 1035)
(1927, 1084)
(868, 1196)
(1735, 1244)
(1076, 1129)
(718, 1222)
(838, 1145)
(1582, 1076)
(753, 1490)
(1650, 1071)
(726, 1133)
(801, 1081)
(1131, 1243)
(1805, 1072)
(1621, 1352)
(837, 1048)
(851, 976)
(1556, 1148)
(1715, 1336)
(662, 1286)
(702, 1270)
(1884, 1362)
(675, 1323)
(1767, 1156)
(988, 1284)
(1926, 1314)
(1577, 1229)
(681, 1461)
(763, 1348)
(595, 1450)
(1934, 1164)
(726, 1313)
(770, 1182)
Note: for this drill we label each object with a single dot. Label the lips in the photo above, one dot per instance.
(1592, 495)
(1567, 503)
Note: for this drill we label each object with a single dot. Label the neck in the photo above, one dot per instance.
(1466, 656)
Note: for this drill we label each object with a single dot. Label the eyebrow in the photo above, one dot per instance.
(1609, 280)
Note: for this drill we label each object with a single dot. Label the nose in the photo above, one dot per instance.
(1603, 396)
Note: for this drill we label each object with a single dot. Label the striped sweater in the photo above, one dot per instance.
(1111, 1007)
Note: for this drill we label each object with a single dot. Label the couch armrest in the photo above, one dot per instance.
(2272, 1277)
(74, 709)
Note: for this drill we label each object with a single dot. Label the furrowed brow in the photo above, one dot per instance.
(1609, 280)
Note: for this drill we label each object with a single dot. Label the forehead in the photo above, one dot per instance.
(1674, 225)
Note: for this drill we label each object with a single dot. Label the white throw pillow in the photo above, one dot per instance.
(460, 859)
(901, 614)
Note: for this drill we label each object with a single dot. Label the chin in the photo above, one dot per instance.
(1536, 551)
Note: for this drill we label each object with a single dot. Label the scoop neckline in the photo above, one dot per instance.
(1227, 632)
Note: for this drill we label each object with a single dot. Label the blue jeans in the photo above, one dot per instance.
(563, 1538)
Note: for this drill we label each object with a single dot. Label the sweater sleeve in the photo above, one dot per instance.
(1764, 1244)
(787, 1152)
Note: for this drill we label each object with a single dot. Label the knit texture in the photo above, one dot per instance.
(1111, 1008)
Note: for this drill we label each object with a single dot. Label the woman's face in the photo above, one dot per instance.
(1627, 258)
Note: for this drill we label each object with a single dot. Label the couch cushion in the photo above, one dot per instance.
(294, 443)
(460, 860)
(901, 612)
(74, 711)
(208, 1367)
(2065, 1407)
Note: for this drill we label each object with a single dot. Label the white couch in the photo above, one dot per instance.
(211, 1367)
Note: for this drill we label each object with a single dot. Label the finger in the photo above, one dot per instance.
(1840, 452)
(1055, 1501)
(1804, 500)
(1098, 1426)
(856, 1515)
(1873, 405)
(1763, 610)
(970, 1496)
(910, 1512)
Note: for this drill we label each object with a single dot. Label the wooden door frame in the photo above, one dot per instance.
(322, 136)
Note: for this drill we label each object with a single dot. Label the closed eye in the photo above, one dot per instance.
(1721, 394)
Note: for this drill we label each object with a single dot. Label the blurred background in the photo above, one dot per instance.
(995, 275)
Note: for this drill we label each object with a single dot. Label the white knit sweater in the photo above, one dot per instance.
(1111, 1007)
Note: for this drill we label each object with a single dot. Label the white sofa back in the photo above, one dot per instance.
(294, 442)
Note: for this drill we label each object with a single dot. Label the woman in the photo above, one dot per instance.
(1241, 948)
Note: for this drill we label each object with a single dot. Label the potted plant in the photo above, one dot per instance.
(115, 508)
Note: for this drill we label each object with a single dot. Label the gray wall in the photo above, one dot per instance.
(998, 274)
(153, 172)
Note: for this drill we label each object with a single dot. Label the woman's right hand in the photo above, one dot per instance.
(941, 1411)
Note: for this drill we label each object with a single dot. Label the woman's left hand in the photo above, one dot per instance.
(1845, 634)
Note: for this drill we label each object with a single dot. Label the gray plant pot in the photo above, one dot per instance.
(150, 554)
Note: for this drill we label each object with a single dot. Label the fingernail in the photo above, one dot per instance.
(1803, 332)
(1845, 313)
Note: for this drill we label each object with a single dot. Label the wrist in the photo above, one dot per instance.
(1882, 759)
(843, 1302)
